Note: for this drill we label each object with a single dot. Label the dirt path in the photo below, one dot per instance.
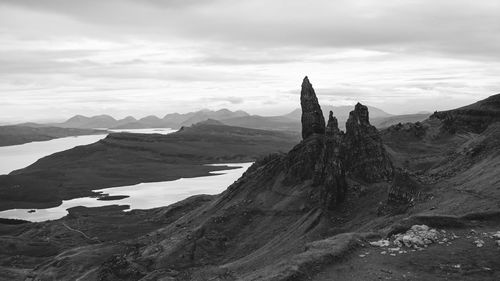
(82, 233)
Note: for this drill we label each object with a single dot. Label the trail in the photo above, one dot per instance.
(82, 233)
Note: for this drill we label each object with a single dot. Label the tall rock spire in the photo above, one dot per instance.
(313, 121)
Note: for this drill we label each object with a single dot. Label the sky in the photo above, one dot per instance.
(59, 58)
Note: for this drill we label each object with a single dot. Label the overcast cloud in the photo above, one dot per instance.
(130, 57)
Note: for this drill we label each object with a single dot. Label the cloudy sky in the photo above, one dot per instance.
(139, 57)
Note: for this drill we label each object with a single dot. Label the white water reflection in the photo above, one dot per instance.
(15, 157)
(143, 195)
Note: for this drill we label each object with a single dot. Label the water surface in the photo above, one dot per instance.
(141, 196)
(15, 157)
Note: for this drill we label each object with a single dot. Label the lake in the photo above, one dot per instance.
(15, 157)
(141, 196)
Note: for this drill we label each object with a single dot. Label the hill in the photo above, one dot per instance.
(384, 122)
(13, 134)
(475, 117)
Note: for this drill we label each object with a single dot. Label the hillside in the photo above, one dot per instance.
(126, 159)
(412, 202)
(12, 135)
(384, 122)
(475, 117)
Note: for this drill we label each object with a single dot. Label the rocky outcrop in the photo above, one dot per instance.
(365, 155)
(329, 170)
(319, 156)
(326, 155)
(312, 119)
(403, 189)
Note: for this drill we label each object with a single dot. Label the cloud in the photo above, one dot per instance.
(177, 55)
(455, 27)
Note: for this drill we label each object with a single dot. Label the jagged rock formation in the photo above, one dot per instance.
(365, 156)
(330, 171)
(313, 121)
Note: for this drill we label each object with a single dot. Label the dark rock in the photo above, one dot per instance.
(402, 193)
(329, 170)
(410, 130)
(365, 155)
(313, 121)
(119, 268)
(318, 156)
(403, 189)
(301, 161)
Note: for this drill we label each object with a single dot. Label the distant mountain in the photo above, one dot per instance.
(79, 121)
(207, 114)
(279, 123)
(341, 112)
(173, 120)
(287, 122)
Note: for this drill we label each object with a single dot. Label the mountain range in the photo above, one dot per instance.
(287, 122)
